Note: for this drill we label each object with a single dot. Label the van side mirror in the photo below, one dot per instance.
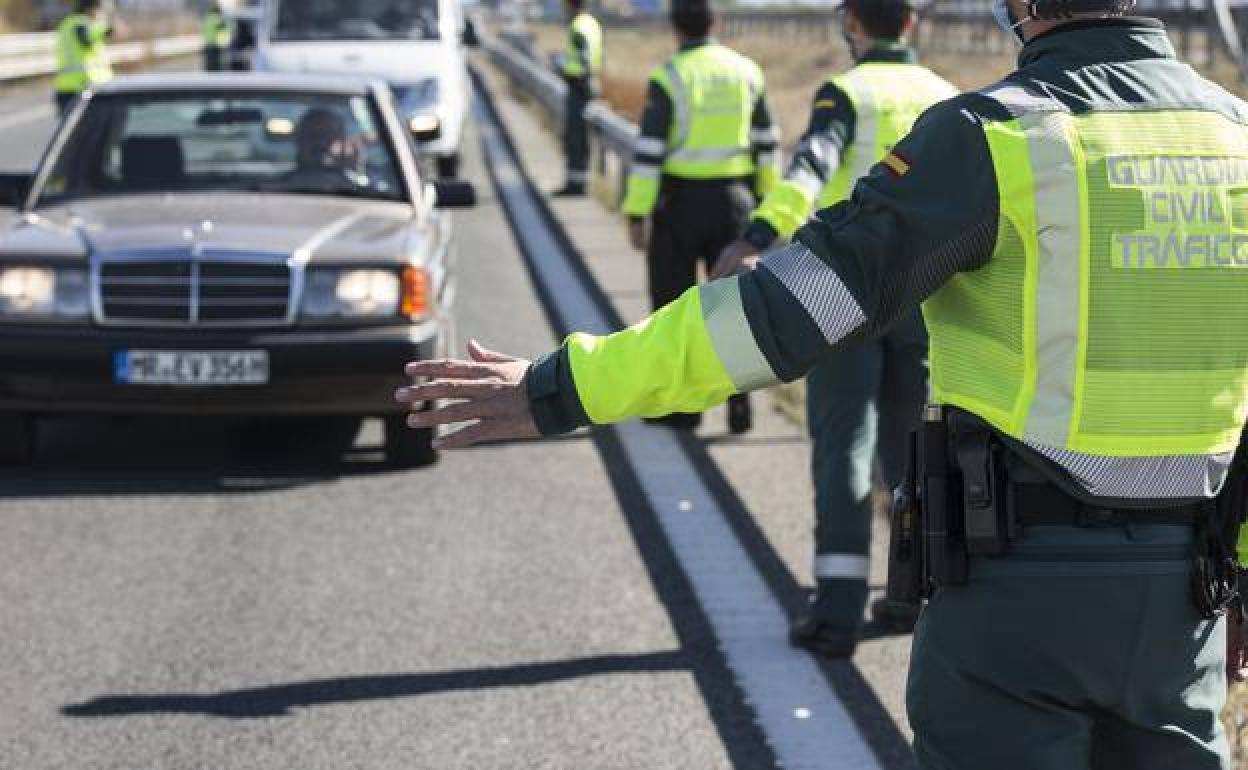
(14, 187)
(471, 38)
(454, 194)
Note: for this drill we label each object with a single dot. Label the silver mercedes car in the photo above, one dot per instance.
(223, 244)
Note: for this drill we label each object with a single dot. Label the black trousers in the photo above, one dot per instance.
(575, 130)
(64, 101)
(213, 59)
(692, 223)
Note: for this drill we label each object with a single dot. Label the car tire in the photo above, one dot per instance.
(448, 166)
(17, 439)
(407, 447)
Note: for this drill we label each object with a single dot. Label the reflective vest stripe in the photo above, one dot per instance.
(682, 122)
(708, 154)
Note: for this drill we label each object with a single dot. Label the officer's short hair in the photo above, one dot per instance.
(87, 5)
(575, 5)
(884, 19)
(692, 17)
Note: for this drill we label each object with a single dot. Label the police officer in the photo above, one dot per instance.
(217, 33)
(81, 54)
(707, 145)
(1074, 233)
(869, 389)
(581, 66)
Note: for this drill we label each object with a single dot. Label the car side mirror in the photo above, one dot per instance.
(14, 188)
(471, 38)
(454, 194)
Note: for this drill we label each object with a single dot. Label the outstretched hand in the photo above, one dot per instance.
(487, 391)
(738, 256)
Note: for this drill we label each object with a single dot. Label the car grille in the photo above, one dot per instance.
(194, 292)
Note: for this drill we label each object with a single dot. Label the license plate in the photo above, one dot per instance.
(187, 367)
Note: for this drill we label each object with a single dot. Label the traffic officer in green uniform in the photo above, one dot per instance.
(1077, 235)
(707, 146)
(874, 388)
(581, 67)
(217, 33)
(81, 54)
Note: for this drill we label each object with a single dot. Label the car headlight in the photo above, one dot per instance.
(33, 293)
(365, 294)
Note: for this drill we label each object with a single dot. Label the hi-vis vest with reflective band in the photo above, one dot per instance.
(589, 29)
(1112, 318)
(713, 91)
(216, 31)
(887, 98)
(78, 66)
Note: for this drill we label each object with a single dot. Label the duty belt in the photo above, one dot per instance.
(1045, 504)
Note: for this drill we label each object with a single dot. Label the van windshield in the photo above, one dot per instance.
(356, 20)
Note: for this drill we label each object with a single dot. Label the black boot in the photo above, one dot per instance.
(822, 638)
(572, 189)
(740, 416)
(894, 617)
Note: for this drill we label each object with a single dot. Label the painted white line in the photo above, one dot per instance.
(28, 115)
(804, 721)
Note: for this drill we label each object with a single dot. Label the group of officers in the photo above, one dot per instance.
(705, 190)
(82, 38)
(1080, 490)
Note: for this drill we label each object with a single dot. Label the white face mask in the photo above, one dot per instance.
(1005, 20)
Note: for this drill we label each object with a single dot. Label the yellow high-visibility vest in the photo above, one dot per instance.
(574, 61)
(81, 66)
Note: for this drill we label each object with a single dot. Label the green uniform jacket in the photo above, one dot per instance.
(925, 214)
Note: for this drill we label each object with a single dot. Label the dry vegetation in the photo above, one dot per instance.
(793, 72)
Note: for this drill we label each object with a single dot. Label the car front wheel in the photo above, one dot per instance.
(408, 447)
(17, 439)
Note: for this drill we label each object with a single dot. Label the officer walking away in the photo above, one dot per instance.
(1074, 233)
(864, 399)
(581, 66)
(81, 52)
(218, 34)
(707, 146)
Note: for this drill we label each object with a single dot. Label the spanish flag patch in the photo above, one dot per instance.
(896, 163)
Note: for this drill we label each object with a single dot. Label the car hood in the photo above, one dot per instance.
(314, 227)
(401, 62)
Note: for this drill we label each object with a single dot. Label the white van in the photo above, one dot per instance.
(414, 45)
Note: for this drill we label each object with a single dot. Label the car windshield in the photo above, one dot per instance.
(177, 142)
(356, 20)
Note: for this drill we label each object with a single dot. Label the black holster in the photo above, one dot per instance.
(1215, 563)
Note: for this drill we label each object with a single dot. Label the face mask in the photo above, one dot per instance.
(1005, 19)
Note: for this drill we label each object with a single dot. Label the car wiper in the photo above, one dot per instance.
(342, 192)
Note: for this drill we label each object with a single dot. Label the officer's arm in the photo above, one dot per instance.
(648, 153)
(788, 205)
(580, 47)
(764, 143)
(926, 214)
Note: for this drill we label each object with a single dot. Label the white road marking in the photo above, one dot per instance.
(804, 721)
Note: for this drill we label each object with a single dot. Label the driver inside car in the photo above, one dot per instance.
(323, 146)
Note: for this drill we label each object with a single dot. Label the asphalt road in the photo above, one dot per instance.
(208, 594)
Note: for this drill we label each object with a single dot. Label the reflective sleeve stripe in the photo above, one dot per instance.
(681, 122)
(646, 145)
(769, 158)
(732, 338)
(763, 135)
(819, 290)
(807, 181)
(840, 565)
(645, 170)
(665, 364)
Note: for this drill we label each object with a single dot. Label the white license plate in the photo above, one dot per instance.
(190, 367)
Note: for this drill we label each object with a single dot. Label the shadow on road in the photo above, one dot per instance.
(278, 700)
(141, 456)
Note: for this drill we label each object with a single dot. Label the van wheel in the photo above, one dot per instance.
(448, 166)
(407, 447)
(17, 439)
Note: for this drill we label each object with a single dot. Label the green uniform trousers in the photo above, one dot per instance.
(862, 402)
(1079, 650)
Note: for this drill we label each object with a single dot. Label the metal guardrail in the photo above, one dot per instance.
(34, 55)
(612, 137)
